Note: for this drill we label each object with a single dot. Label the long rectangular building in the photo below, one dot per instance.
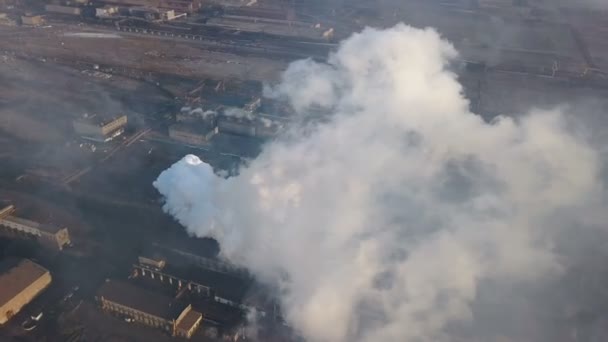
(48, 235)
(21, 280)
(149, 308)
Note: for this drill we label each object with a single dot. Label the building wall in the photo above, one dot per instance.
(114, 125)
(55, 241)
(177, 282)
(20, 227)
(16, 234)
(96, 131)
(136, 315)
(13, 306)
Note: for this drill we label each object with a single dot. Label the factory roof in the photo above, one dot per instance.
(16, 275)
(131, 296)
(189, 320)
(49, 228)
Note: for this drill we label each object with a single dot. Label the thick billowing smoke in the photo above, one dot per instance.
(403, 216)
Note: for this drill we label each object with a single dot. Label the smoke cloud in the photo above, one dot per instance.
(402, 216)
(595, 4)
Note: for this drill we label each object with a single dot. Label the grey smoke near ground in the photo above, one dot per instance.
(403, 216)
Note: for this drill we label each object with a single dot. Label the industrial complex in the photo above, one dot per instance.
(98, 97)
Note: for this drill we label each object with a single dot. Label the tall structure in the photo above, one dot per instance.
(21, 280)
(50, 236)
(149, 308)
(93, 127)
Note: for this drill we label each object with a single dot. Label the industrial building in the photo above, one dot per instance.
(21, 280)
(50, 236)
(197, 135)
(93, 127)
(149, 308)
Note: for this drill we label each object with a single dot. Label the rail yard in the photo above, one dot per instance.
(98, 97)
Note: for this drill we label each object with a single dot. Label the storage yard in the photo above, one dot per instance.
(95, 101)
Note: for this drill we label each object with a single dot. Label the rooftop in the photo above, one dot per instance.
(17, 274)
(97, 120)
(152, 303)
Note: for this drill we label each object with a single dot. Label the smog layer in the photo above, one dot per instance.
(398, 214)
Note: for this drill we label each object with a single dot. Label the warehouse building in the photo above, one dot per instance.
(93, 127)
(21, 280)
(50, 236)
(149, 308)
(196, 135)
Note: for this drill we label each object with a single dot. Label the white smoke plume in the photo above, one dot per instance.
(404, 216)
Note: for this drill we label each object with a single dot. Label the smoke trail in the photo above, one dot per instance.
(403, 216)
